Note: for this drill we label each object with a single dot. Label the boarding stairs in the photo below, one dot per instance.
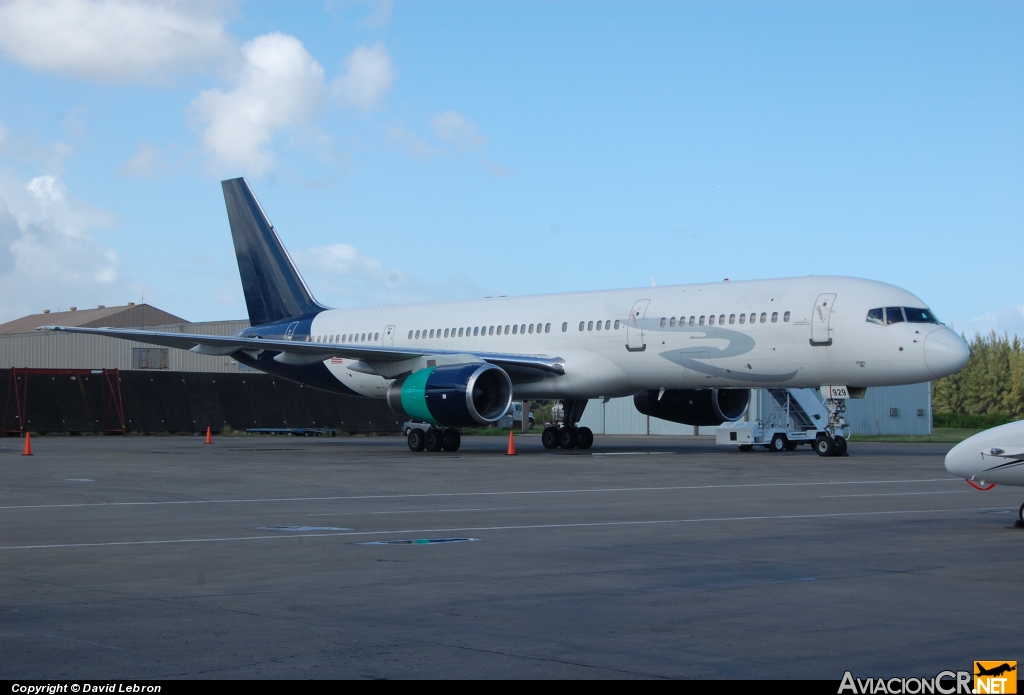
(802, 406)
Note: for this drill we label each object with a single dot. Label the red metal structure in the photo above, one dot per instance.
(16, 411)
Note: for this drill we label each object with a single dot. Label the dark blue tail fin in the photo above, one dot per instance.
(273, 288)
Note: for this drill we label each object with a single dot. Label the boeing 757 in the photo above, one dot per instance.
(686, 353)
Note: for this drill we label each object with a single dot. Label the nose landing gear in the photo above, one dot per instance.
(831, 442)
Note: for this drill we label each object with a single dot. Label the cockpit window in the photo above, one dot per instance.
(875, 316)
(893, 314)
(919, 315)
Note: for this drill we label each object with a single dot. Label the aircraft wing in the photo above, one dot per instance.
(301, 352)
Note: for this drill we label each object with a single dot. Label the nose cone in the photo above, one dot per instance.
(964, 461)
(945, 353)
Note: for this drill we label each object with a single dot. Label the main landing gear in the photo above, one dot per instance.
(434, 439)
(567, 437)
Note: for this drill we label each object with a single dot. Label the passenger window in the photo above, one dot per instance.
(446, 333)
(515, 329)
(664, 321)
(711, 320)
(775, 317)
(876, 316)
(476, 330)
(721, 320)
(376, 336)
(417, 335)
(701, 320)
(785, 317)
(547, 327)
(893, 314)
(743, 318)
(460, 332)
(531, 329)
(583, 325)
(565, 326)
(507, 329)
(490, 331)
(616, 324)
(590, 325)
(672, 322)
(599, 324)
(764, 317)
(732, 319)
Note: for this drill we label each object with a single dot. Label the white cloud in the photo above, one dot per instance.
(279, 86)
(1008, 320)
(341, 276)
(455, 129)
(380, 15)
(48, 256)
(113, 40)
(412, 144)
(368, 77)
(145, 162)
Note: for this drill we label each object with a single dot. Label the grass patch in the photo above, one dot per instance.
(940, 435)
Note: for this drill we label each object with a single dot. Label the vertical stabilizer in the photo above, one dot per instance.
(273, 288)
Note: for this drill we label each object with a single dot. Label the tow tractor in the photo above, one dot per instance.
(797, 416)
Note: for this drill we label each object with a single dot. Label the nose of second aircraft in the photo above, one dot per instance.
(945, 352)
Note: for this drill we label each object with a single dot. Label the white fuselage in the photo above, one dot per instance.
(993, 456)
(642, 345)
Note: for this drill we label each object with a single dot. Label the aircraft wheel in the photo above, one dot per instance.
(1020, 515)
(549, 438)
(791, 446)
(434, 439)
(416, 439)
(840, 445)
(825, 445)
(451, 440)
(778, 443)
(746, 447)
(567, 438)
(584, 438)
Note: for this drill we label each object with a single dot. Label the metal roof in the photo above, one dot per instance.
(128, 316)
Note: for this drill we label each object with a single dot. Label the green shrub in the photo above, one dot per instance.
(970, 422)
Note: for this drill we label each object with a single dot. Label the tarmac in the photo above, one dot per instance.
(645, 557)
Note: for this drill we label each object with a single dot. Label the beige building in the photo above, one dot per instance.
(21, 345)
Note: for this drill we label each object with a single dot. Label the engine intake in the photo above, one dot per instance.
(459, 395)
(700, 407)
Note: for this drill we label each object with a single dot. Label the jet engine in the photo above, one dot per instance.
(699, 407)
(458, 395)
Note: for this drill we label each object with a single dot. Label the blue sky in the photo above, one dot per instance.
(433, 150)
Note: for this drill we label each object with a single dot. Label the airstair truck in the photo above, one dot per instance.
(797, 416)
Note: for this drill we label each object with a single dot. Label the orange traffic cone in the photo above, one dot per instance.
(28, 445)
(511, 443)
(209, 437)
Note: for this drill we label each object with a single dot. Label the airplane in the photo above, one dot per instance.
(994, 671)
(686, 353)
(990, 458)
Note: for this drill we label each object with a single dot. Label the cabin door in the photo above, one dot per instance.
(821, 320)
(389, 336)
(635, 327)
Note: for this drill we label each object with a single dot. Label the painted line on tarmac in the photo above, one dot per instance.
(524, 527)
(475, 494)
(900, 494)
